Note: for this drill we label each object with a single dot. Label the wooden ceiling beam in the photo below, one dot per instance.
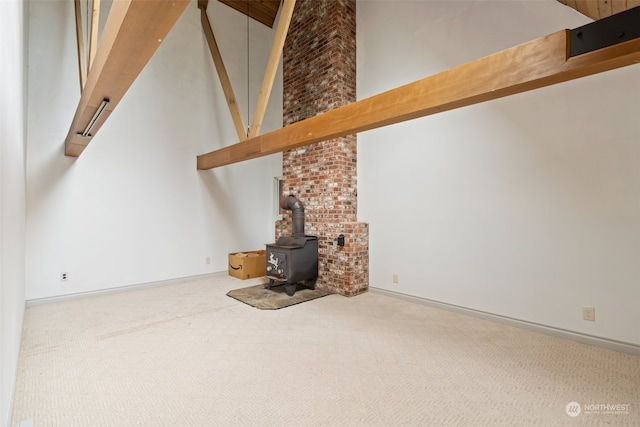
(95, 25)
(272, 66)
(538, 63)
(225, 82)
(132, 33)
(82, 56)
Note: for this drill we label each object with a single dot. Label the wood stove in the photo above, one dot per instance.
(293, 260)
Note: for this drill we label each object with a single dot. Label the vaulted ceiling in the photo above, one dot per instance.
(598, 9)
(265, 11)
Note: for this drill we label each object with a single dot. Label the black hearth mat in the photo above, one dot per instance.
(275, 298)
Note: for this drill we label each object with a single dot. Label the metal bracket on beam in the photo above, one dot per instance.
(609, 31)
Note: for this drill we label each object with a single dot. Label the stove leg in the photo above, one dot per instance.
(271, 281)
(290, 289)
(311, 284)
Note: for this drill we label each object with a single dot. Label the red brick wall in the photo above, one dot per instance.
(319, 73)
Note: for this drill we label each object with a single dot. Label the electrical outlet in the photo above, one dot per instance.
(64, 277)
(207, 260)
(395, 278)
(589, 313)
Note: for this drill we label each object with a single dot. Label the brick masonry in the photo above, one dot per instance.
(319, 73)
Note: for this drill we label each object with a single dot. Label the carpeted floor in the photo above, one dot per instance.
(188, 355)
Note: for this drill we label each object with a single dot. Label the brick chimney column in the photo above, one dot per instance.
(319, 73)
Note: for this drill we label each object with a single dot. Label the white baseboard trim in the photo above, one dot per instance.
(535, 327)
(127, 288)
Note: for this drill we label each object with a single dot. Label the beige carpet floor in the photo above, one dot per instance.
(188, 355)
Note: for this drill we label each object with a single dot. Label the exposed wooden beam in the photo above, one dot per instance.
(82, 55)
(541, 62)
(272, 66)
(95, 25)
(241, 129)
(132, 33)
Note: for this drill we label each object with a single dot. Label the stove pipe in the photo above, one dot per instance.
(296, 207)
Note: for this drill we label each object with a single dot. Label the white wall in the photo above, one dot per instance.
(526, 207)
(133, 208)
(12, 195)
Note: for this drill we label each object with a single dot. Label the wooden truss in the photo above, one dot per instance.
(541, 62)
(93, 39)
(269, 76)
(138, 26)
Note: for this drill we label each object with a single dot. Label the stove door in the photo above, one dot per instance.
(277, 265)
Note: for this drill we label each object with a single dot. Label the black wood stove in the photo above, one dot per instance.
(293, 260)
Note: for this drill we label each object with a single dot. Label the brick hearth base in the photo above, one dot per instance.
(343, 270)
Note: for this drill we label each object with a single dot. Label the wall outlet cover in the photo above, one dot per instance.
(589, 313)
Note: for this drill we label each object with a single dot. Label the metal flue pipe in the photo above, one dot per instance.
(293, 204)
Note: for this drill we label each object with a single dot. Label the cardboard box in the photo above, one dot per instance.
(247, 265)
